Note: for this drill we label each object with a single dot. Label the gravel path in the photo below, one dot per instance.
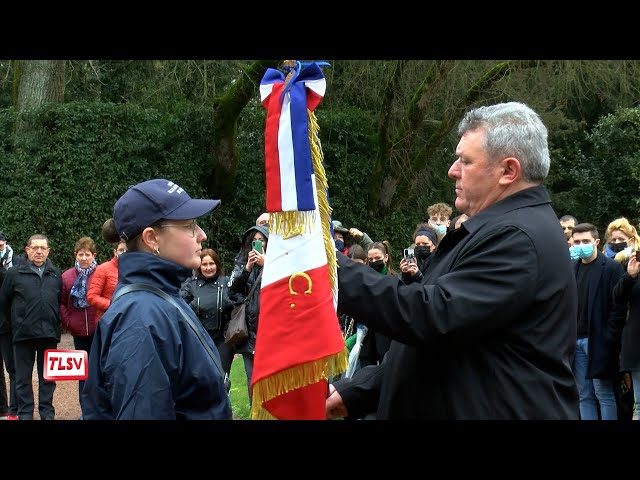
(65, 397)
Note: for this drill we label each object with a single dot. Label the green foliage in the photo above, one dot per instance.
(239, 394)
(608, 173)
(247, 200)
(65, 181)
(349, 141)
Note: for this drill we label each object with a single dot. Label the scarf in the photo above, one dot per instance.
(79, 289)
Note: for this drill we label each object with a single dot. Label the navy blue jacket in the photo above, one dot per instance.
(145, 361)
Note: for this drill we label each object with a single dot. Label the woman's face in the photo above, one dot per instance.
(375, 254)
(423, 240)
(618, 236)
(181, 242)
(84, 257)
(208, 267)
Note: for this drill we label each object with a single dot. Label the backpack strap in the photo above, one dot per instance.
(150, 288)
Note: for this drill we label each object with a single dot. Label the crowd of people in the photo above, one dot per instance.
(487, 317)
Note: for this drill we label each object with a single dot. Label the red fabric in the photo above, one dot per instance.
(101, 286)
(80, 322)
(290, 337)
(306, 403)
(271, 150)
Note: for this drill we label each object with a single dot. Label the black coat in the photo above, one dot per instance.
(489, 334)
(209, 299)
(30, 303)
(606, 317)
(628, 291)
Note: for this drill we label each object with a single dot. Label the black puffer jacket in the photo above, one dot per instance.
(209, 299)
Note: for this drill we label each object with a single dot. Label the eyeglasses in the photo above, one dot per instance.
(189, 226)
(38, 248)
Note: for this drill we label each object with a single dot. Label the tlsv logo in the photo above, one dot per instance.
(65, 365)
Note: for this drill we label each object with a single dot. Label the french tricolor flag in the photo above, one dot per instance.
(298, 324)
(287, 152)
(299, 343)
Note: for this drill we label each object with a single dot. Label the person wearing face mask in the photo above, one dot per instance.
(425, 242)
(622, 239)
(241, 285)
(375, 345)
(600, 321)
(345, 237)
(440, 218)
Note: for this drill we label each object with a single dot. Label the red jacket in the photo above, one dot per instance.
(101, 286)
(80, 322)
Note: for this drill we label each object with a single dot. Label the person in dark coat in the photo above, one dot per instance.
(148, 362)
(30, 298)
(627, 290)
(208, 296)
(600, 321)
(486, 334)
(241, 285)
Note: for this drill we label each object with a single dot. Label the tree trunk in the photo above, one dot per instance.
(399, 161)
(38, 82)
(226, 112)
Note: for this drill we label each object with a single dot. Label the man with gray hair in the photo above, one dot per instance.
(485, 335)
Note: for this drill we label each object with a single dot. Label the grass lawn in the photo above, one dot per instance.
(239, 395)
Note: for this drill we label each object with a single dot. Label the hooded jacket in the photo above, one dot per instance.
(241, 283)
(145, 361)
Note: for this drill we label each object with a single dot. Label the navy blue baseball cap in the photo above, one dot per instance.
(145, 203)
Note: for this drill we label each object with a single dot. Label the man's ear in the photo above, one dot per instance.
(511, 171)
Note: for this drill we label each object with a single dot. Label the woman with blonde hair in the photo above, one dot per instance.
(621, 239)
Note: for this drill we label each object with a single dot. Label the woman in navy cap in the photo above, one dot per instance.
(147, 360)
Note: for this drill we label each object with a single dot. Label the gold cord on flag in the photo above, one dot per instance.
(317, 158)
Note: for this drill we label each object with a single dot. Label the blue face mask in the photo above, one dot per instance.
(584, 251)
(440, 229)
(340, 245)
(573, 253)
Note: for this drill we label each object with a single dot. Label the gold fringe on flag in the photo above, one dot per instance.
(294, 378)
(317, 157)
(291, 224)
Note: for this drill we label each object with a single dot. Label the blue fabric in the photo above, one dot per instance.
(145, 361)
(79, 288)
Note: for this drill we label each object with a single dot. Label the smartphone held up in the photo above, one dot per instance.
(409, 255)
(257, 245)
